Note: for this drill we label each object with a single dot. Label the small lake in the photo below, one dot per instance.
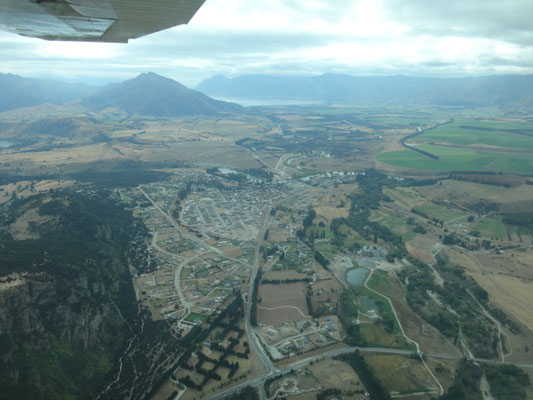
(227, 170)
(4, 144)
(369, 303)
(356, 277)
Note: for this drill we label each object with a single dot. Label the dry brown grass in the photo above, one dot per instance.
(281, 295)
(336, 374)
(23, 188)
(332, 212)
(286, 274)
(429, 338)
(401, 374)
(507, 278)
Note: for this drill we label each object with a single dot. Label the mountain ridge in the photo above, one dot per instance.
(147, 94)
(495, 90)
(155, 95)
(18, 92)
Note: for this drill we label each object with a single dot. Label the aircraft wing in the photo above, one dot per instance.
(94, 20)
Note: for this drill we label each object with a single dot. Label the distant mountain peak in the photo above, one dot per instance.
(152, 75)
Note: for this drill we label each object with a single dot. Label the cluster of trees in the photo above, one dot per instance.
(308, 301)
(261, 173)
(519, 219)
(269, 251)
(184, 192)
(323, 261)
(466, 383)
(327, 393)
(253, 304)
(127, 177)
(248, 393)
(481, 336)
(227, 319)
(348, 311)
(367, 199)
(278, 281)
(308, 220)
(507, 381)
(477, 180)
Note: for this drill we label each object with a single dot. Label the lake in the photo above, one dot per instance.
(356, 277)
(269, 102)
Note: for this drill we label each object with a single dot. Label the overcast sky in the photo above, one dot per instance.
(358, 37)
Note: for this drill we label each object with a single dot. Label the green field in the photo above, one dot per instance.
(380, 281)
(491, 228)
(395, 223)
(401, 196)
(454, 159)
(442, 213)
(193, 317)
(461, 133)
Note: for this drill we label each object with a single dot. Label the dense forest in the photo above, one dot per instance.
(64, 317)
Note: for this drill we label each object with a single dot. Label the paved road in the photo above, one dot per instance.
(265, 359)
(260, 380)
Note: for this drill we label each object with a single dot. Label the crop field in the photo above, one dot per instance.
(472, 132)
(456, 159)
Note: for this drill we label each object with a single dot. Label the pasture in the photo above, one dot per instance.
(475, 132)
(456, 159)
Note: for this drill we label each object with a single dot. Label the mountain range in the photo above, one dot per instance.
(148, 94)
(512, 91)
(154, 95)
(20, 92)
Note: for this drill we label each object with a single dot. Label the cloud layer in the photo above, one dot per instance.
(234, 37)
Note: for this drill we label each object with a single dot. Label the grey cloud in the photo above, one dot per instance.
(505, 20)
(189, 54)
(230, 43)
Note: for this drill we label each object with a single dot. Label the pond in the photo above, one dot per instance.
(369, 303)
(356, 277)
